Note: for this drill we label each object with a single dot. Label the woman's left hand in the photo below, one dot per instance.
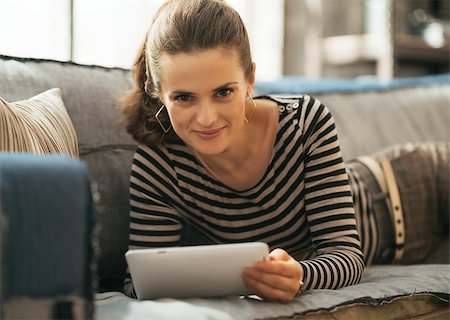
(276, 279)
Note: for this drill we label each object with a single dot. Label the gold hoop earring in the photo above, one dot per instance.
(247, 120)
(159, 121)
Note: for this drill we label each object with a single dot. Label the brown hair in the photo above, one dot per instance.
(178, 26)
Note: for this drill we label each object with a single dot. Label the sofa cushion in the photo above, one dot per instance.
(370, 121)
(300, 85)
(46, 250)
(379, 285)
(39, 125)
(372, 115)
(366, 121)
(91, 96)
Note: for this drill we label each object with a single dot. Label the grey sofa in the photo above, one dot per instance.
(369, 117)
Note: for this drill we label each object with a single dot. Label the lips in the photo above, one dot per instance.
(209, 134)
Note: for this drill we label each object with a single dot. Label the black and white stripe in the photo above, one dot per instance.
(365, 219)
(303, 203)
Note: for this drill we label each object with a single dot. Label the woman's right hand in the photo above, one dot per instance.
(278, 278)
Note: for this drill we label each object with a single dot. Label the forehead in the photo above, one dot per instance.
(198, 70)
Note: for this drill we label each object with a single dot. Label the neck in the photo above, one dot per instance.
(228, 161)
(238, 153)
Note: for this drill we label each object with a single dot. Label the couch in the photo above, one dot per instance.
(369, 116)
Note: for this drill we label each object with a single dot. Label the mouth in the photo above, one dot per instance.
(209, 134)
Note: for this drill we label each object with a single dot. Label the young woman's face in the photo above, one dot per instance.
(205, 95)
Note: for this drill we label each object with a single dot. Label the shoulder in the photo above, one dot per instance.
(301, 111)
(295, 103)
(161, 155)
(150, 152)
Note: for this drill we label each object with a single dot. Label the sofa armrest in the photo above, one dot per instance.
(46, 252)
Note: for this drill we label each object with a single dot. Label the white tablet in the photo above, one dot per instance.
(195, 271)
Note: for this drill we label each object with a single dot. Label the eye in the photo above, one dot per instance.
(183, 98)
(222, 93)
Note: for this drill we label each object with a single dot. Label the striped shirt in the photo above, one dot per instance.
(302, 204)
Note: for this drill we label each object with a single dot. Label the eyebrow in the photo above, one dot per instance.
(182, 92)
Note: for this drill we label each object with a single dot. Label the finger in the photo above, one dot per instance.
(275, 281)
(267, 292)
(279, 254)
(289, 268)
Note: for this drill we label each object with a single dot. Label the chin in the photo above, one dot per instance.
(213, 149)
(209, 147)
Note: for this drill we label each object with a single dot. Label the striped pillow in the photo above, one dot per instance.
(39, 125)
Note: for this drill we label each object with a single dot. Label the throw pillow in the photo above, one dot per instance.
(39, 125)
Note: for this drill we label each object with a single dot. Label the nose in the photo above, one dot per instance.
(206, 114)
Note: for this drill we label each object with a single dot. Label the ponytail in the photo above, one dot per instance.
(178, 26)
(140, 106)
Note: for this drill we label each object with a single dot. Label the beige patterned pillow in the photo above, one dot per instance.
(39, 125)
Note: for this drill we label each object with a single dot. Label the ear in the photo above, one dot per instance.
(251, 79)
(161, 99)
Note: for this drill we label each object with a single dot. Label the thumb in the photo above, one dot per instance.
(279, 254)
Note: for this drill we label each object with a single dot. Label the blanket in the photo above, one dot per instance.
(379, 284)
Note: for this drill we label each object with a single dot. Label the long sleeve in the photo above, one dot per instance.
(303, 203)
(328, 205)
(154, 220)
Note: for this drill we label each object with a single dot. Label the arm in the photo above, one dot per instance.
(329, 210)
(154, 220)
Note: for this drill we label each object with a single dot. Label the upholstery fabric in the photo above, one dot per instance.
(46, 201)
(367, 121)
(91, 96)
(379, 283)
(371, 115)
(299, 85)
(39, 125)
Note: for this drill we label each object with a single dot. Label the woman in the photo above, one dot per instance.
(233, 168)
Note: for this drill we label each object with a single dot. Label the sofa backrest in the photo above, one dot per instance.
(367, 120)
(371, 115)
(91, 97)
(372, 120)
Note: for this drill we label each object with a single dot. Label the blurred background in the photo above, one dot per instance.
(310, 38)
